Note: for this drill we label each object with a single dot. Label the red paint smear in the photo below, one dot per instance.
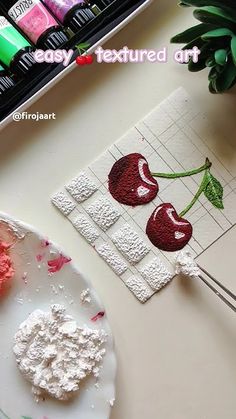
(45, 243)
(98, 316)
(57, 264)
(39, 257)
(6, 268)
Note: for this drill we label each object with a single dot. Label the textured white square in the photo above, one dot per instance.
(139, 288)
(103, 213)
(85, 228)
(63, 203)
(81, 187)
(113, 259)
(156, 274)
(128, 242)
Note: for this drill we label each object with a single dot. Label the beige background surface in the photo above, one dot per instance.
(176, 354)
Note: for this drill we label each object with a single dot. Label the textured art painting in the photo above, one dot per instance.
(161, 188)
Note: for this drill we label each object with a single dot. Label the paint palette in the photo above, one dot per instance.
(50, 25)
(33, 287)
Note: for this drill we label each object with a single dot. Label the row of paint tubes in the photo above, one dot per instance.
(47, 25)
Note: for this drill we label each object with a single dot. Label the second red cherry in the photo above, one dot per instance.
(89, 59)
(84, 59)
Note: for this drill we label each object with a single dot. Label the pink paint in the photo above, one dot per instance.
(6, 267)
(32, 17)
(98, 316)
(60, 8)
(39, 258)
(57, 264)
(45, 243)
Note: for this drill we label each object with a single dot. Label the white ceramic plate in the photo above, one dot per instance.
(40, 290)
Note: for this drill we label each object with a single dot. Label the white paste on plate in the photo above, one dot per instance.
(85, 296)
(55, 355)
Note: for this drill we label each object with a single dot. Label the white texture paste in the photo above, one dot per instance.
(63, 203)
(156, 274)
(85, 228)
(85, 296)
(186, 265)
(112, 258)
(130, 244)
(55, 355)
(103, 213)
(81, 187)
(139, 288)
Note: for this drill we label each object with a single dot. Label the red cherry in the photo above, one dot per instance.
(130, 181)
(167, 230)
(89, 59)
(81, 60)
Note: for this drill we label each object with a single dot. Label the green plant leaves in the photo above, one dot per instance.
(214, 191)
(216, 16)
(221, 56)
(233, 49)
(217, 33)
(191, 33)
(83, 46)
(228, 5)
(215, 36)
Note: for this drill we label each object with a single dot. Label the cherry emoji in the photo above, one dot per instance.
(89, 59)
(81, 60)
(167, 230)
(130, 181)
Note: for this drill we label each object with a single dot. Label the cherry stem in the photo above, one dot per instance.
(206, 166)
(201, 189)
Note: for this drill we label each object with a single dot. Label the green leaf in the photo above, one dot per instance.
(216, 16)
(227, 78)
(83, 47)
(26, 417)
(217, 33)
(210, 62)
(221, 56)
(199, 66)
(212, 88)
(191, 33)
(214, 191)
(228, 5)
(233, 49)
